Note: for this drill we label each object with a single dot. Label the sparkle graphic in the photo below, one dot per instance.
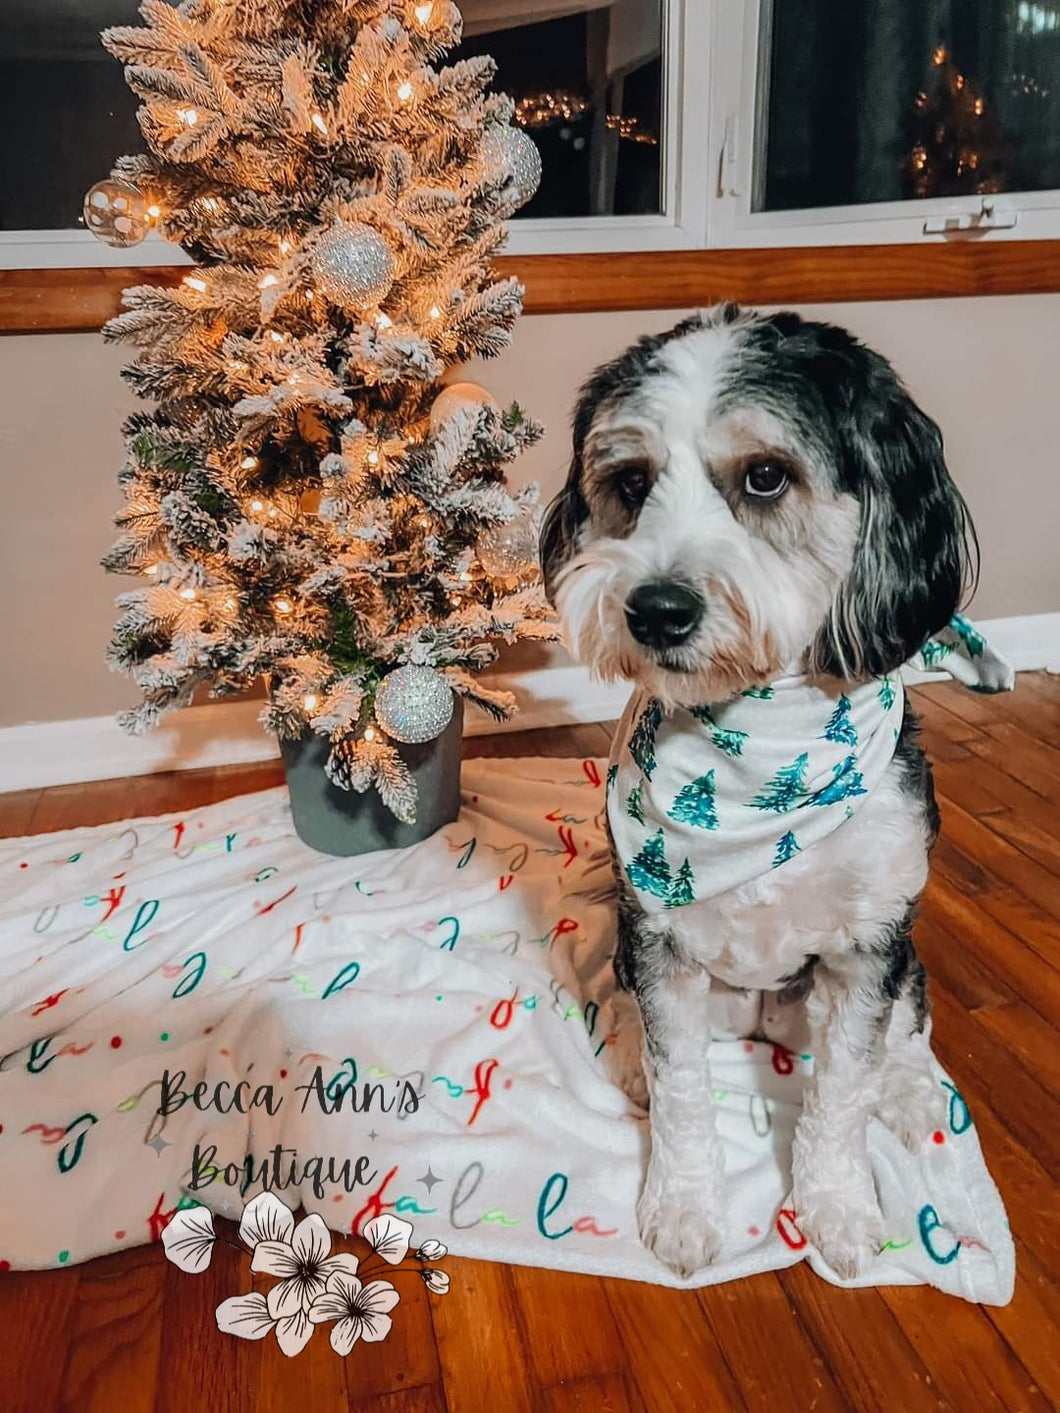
(373, 1135)
(428, 1179)
(158, 1143)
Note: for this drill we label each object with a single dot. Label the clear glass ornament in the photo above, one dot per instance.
(509, 551)
(414, 704)
(115, 212)
(353, 266)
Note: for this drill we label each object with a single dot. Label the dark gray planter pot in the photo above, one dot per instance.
(343, 823)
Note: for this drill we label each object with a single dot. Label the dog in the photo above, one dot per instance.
(756, 499)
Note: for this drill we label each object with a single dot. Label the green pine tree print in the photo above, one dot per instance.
(934, 651)
(612, 776)
(787, 848)
(762, 694)
(683, 889)
(886, 694)
(969, 636)
(786, 788)
(840, 728)
(649, 872)
(634, 805)
(726, 739)
(695, 803)
(846, 782)
(642, 742)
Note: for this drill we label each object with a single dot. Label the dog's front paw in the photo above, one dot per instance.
(679, 1227)
(847, 1234)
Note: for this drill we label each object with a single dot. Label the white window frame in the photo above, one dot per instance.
(737, 103)
(680, 226)
(710, 93)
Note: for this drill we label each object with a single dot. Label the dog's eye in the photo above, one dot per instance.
(632, 484)
(766, 480)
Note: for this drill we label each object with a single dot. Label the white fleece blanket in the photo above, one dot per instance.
(474, 966)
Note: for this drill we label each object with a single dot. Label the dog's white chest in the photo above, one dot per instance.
(854, 884)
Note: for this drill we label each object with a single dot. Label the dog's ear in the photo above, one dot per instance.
(559, 529)
(917, 557)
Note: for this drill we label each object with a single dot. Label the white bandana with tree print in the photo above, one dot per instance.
(704, 799)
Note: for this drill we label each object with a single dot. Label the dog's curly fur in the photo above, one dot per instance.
(866, 551)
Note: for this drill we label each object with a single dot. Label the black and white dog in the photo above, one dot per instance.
(751, 497)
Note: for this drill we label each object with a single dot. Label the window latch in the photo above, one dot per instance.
(987, 218)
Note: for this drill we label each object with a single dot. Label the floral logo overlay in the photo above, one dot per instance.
(314, 1287)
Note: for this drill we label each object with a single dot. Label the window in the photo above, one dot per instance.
(887, 120)
(595, 82)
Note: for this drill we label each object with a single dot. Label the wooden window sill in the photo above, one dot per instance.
(80, 300)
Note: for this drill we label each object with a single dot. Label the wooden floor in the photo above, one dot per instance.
(126, 1333)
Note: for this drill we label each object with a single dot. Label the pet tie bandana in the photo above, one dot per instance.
(710, 797)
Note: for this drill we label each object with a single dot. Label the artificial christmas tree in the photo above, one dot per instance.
(304, 501)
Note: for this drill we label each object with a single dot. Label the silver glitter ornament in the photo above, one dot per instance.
(509, 551)
(115, 212)
(414, 704)
(353, 266)
(512, 151)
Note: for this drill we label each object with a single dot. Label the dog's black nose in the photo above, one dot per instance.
(663, 613)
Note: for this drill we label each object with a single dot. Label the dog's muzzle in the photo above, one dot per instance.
(663, 613)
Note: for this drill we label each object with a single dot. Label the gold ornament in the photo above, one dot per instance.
(456, 397)
(116, 212)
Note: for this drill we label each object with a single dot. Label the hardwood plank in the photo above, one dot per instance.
(998, 948)
(794, 1374)
(608, 1393)
(478, 1330)
(953, 966)
(1008, 885)
(16, 812)
(408, 1357)
(1034, 763)
(569, 1327)
(82, 299)
(195, 1355)
(1030, 1323)
(1027, 1109)
(562, 742)
(686, 1369)
(429, 1399)
(863, 1344)
(116, 1323)
(478, 1333)
(969, 1362)
(35, 1311)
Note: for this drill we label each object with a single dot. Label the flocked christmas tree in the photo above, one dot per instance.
(305, 502)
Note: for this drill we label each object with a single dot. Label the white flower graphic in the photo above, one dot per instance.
(303, 1264)
(189, 1239)
(314, 1286)
(388, 1237)
(360, 1311)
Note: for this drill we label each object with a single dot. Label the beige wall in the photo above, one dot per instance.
(986, 369)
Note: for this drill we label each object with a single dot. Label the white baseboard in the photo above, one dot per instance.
(229, 733)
